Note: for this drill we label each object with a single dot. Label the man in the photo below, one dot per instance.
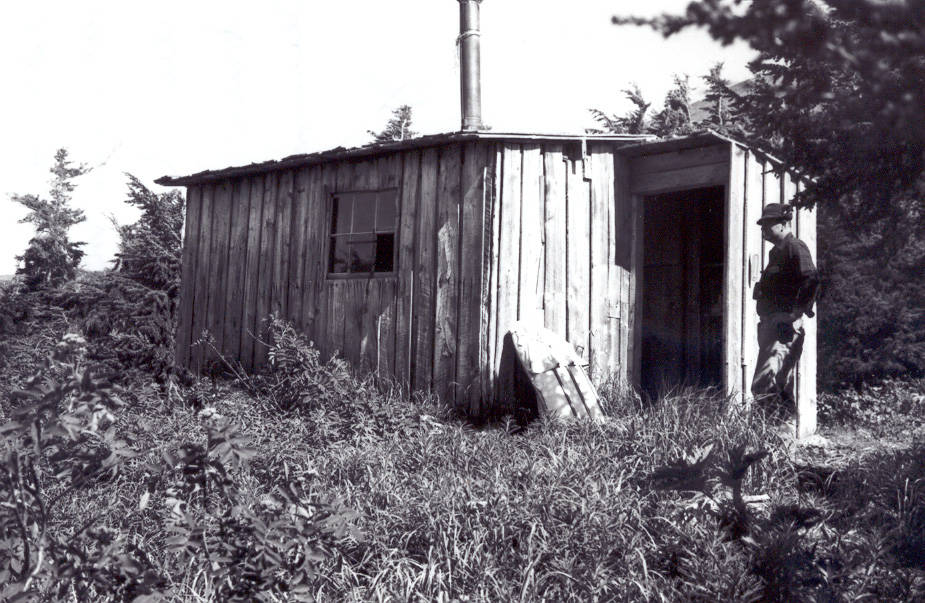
(785, 293)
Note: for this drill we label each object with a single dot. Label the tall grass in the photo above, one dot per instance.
(444, 510)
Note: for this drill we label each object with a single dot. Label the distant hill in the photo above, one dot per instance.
(6, 277)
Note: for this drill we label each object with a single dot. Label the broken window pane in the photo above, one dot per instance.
(385, 252)
(362, 253)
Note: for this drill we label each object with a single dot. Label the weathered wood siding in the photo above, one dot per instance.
(560, 251)
(489, 232)
(258, 244)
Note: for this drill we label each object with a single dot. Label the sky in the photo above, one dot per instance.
(173, 88)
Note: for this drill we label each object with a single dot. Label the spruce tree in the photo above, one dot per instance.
(633, 122)
(398, 128)
(675, 117)
(51, 257)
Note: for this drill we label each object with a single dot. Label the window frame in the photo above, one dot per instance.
(330, 236)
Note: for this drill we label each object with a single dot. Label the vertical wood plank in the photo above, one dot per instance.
(772, 194)
(188, 276)
(732, 289)
(283, 245)
(807, 394)
(327, 183)
(316, 230)
(752, 266)
(237, 263)
(249, 326)
(385, 330)
(203, 269)
(408, 212)
(297, 255)
(447, 291)
(390, 178)
(218, 279)
(532, 254)
(600, 308)
(368, 300)
(265, 287)
(471, 229)
(488, 359)
(425, 273)
(554, 315)
(578, 257)
(636, 295)
(622, 245)
(508, 247)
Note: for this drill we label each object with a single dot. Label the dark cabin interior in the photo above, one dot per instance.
(682, 316)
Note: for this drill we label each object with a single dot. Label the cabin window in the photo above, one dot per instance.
(363, 225)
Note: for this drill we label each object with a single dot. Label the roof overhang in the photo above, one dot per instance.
(340, 153)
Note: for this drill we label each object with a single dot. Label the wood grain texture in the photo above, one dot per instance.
(508, 282)
(387, 363)
(283, 245)
(732, 290)
(237, 264)
(266, 273)
(471, 228)
(637, 310)
(218, 271)
(600, 300)
(298, 244)
(489, 359)
(714, 174)
(188, 275)
(676, 160)
(578, 260)
(555, 235)
(752, 266)
(203, 267)
(622, 264)
(249, 326)
(313, 246)
(408, 214)
(532, 252)
(447, 290)
(425, 273)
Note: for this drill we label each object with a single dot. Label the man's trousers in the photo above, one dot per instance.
(780, 343)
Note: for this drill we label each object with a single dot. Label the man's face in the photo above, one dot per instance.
(773, 231)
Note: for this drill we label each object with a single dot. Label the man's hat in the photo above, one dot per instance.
(775, 212)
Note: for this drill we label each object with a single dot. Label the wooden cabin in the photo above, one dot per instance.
(412, 259)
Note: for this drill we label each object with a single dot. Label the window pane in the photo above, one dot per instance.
(362, 253)
(385, 252)
(340, 222)
(387, 214)
(337, 263)
(364, 212)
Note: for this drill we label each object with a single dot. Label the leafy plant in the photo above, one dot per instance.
(246, 551)
(61, 438)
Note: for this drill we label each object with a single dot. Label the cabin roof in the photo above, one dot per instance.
(340, 153)
(632, 145)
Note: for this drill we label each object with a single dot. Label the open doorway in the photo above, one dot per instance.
(682, 313)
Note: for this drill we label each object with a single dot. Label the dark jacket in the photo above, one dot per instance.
(789, 281)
